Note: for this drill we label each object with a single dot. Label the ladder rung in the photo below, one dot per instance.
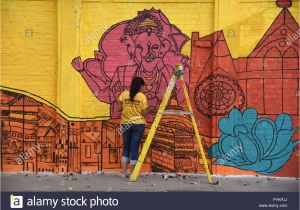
(175, 112)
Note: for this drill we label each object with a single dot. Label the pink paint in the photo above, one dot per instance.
(148, 46)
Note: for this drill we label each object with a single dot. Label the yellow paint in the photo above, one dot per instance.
(40, 38)
(58, 110)
(21, 116)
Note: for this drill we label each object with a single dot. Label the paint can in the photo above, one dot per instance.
(178, 70)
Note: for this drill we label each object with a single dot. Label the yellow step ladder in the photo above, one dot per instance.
(178, 73)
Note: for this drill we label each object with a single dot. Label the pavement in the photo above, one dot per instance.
(40, 182)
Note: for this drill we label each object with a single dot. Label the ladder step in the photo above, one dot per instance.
(175, 112)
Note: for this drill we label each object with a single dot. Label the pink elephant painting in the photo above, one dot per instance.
(148, 46)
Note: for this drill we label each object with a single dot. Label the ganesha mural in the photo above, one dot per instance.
(147, 46)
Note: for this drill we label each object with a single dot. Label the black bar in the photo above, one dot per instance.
(160, 200)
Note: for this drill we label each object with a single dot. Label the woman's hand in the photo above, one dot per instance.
(120, 106)
(148, 110)
(151, 110)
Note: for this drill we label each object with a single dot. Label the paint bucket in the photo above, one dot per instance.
(178, 70)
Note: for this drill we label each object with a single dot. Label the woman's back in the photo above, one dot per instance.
(132, 110)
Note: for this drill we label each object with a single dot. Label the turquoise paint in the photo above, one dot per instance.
(251, 143)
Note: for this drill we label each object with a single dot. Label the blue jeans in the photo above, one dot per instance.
(132, 136)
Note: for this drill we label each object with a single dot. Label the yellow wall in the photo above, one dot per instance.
(29, 62)
(64, 29)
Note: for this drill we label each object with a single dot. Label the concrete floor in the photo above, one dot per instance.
(146, 182)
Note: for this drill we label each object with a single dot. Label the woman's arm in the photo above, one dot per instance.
(120, 106)
(120, 102)
(148, 110)
(145, 109)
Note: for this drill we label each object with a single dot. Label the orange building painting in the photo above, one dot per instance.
(87, 146)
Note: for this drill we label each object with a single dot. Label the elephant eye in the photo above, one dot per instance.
(155, 46)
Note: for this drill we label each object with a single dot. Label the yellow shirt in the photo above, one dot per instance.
(132, 111)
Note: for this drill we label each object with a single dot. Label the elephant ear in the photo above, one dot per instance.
(284, 121)
(179, 40)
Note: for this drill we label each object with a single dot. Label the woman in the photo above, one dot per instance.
(133, 105)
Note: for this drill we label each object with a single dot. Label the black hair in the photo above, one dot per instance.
(136, 85)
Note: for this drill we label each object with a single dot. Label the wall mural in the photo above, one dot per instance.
(34, 137)
(216, 94)
(251, 143)
(267, 81)
(148, 46)
(245, 107)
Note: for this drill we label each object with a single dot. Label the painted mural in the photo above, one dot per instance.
(148, 46)
(34, 137)
(247, 108)
(267, 81)
(256, 144)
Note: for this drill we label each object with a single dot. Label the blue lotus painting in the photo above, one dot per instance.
(251, 143)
